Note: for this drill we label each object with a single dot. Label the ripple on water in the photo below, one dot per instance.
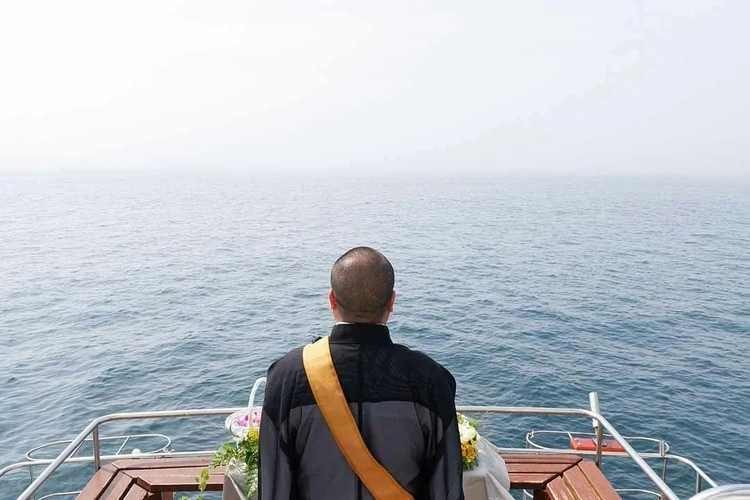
(174, 292)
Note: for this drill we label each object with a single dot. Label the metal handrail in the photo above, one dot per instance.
(78, 460)
(594, 401)
(637, 490)
(728, 492)
(61, 494)
(614, 454)
(93, 428)
(662, 454)
(126, 438)
(603, 423)
(663, 445)
(199, 453)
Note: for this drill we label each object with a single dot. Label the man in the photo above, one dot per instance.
(402, 402)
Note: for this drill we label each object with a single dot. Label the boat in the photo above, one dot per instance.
(553, 464)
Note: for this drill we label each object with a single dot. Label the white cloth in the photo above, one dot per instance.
(489, 480)
(232, 490)
(234, 482)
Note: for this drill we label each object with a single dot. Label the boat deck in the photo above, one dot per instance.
(548, 471)
(551, 477)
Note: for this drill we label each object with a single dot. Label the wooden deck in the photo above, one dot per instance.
(558, 477)
(150, 479)
(551, 477)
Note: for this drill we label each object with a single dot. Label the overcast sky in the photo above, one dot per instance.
(655, 86)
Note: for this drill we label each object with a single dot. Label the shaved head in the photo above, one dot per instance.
(362, 283)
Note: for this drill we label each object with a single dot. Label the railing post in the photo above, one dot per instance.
(31, 477)
(698, 484)
(97, 454)
(594, 400)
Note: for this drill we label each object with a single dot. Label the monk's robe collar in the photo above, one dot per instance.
(360, 333)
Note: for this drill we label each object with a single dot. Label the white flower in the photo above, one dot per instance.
(467, 433)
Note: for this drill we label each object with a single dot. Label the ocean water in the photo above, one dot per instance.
(141, 291)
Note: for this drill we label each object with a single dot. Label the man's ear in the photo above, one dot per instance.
(332, 300)
(391, 301)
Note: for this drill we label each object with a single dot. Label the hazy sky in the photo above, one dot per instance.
(660, 85)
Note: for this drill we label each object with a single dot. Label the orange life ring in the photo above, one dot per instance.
(589, 444)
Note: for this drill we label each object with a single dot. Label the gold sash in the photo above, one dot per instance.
(332, 403)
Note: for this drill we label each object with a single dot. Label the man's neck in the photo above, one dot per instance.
(354, 323)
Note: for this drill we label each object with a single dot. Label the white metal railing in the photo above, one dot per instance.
(728, 492)
(662, 454)
(60, 495)
(603, 425)
(33, 459)
(531, 439)
(124, 439)
(93, 430)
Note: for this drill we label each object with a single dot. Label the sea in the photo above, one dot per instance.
(125, 291)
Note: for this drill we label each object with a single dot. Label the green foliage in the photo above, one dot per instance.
(245, 451)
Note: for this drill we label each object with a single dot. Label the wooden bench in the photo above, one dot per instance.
(583, 482)
(558, 477)
(551, 477)
(150, 479)
(534, 471)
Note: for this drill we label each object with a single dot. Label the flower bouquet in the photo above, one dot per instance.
(467, 431)
(485, 475)
(240, 455)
